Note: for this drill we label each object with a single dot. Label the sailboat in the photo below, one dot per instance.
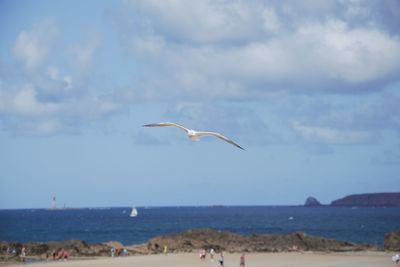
(134, 212)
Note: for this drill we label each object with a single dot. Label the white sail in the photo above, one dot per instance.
(134, 212)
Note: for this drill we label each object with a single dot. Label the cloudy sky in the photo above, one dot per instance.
(309, 88)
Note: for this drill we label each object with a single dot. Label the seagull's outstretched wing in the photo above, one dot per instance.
(163, 124)
(218, 135)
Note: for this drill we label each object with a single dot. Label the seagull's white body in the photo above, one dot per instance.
(192, 134)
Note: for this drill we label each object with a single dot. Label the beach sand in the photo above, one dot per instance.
(309, 259)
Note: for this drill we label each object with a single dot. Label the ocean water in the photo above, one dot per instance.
(362, 225)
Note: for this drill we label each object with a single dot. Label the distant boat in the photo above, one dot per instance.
(134, 212)
(290, 218)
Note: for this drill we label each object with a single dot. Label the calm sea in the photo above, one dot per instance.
(367, 225)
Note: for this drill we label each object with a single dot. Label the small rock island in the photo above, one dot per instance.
(312, 202)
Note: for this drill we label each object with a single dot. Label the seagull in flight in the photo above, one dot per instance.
(192, 134)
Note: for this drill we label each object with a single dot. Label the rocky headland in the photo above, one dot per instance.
(369, 200)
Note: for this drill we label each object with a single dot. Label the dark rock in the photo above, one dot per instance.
(312, 202)
(375, 200)
(196, 239)
(76, 248)
(392, 241)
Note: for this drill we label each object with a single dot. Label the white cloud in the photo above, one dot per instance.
(214, 50)
(32, 47)
(271, 21)
(331, 136)
(26, 113)
(68, 81)
(250, 50)
(52, 72)
(25, 103)
(148, 45)
(46, 127)
(353, 55)
(83, 55)
(311, 56)
(355, 8)
(199, 21)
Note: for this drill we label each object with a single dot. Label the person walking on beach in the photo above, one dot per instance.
(221, 258)
(23, 254)
(60, 254)
(242, 261)
(396, 259)
(165, 250)
(65, 255)
(202, 254)
(212, 254)
(112, 252)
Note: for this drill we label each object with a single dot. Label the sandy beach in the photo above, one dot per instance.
(308, 259)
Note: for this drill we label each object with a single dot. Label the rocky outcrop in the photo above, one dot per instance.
(75, 248)
(392, 241)
(188, 241)
(312, 202)
(374, 200)
(196, 239)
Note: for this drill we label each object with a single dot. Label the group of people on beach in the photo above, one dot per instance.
(203, 256)
(118, 252)
(61, 254)
(14, 251)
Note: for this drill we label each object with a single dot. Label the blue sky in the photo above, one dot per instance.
(309, 88)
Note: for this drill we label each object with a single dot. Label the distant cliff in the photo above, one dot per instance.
(375, 199)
